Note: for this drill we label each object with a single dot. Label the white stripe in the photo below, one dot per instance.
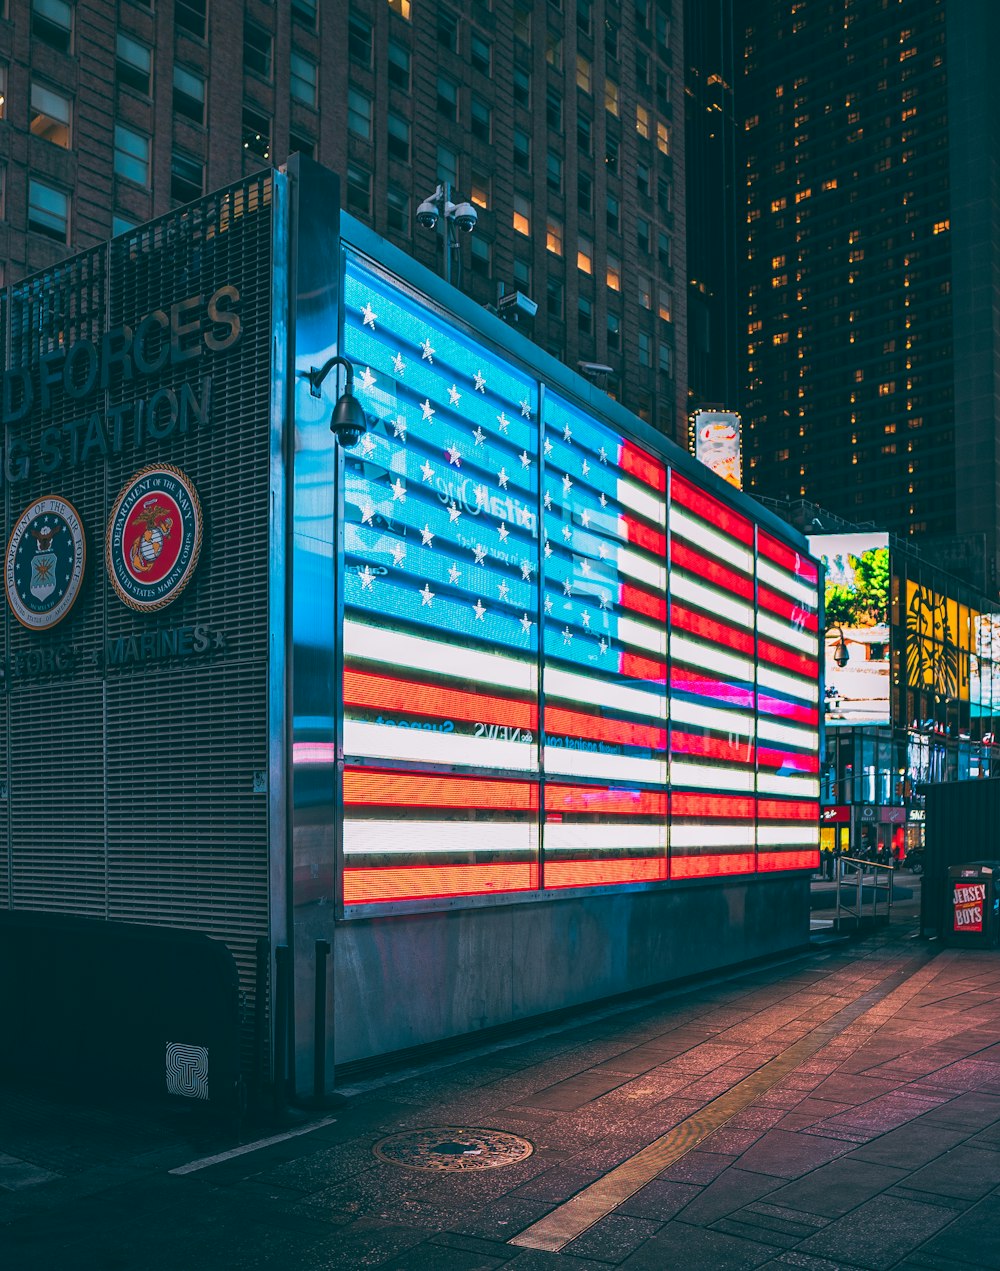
(639, 567)
(785, 583)
(704, 777)
(726, 549)
(594, 692)
(804, 835)
(571, 836)
(801, 787)
(806, 738)
(383, 741)
(715, 602)
(591, 763)
(641, 501)
(710, 658)
(805, 690)
(732, 722)
(394, 648)
(787, 634)
(711, 836)
(642, 635)
(435, 838)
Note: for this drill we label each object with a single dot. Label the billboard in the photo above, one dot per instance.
(717, 444)
(857, 626)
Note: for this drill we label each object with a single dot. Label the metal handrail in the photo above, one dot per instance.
(860, 868)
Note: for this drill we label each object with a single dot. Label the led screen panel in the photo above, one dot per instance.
(713, 733)
(604, 615)
(856, 657)
(787, 707)
(440, 605)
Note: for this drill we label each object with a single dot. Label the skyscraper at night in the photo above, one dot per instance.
(871, 329)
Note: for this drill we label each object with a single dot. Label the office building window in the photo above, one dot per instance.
(48, 211)
(482, 120)
(256, 134)
(481, 192)
(585, 255)
(447, 98)
(447, 29)
(131, 155)
(133, 64)
(613, 214)
(663, 137)
(585, 316)
(521, 88)
(304, 11)
(522, 215)
(554, 235)
(642, 235)
(189, 94)
(359, 114)
(522, 150)
(554, 297)
(187, 178)
(304, 83)
(50, 115)
(481, 250)
(553, 110)
(299, 143)
(554, 50)
(121, 225)
(398, 138)
(645, 349)
(642, 179)
(584, 134)
(614, 273)
(399, 66)
(665, 359)
(611, 155)
(645, 291)
(359, 40)
(665, 308)
(614, 332)
(481, 54)
(257, 42)
(397, 207)
(611, 97)
(359, 190)
(191, 16)
(447, 165)
(52, 24)
(554, 172)
(642, 125)
(584, 73)
(584, 193)
(402, 7)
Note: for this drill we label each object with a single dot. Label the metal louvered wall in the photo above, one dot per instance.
(132, 786)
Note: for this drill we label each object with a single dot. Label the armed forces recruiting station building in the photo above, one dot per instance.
(506, 707)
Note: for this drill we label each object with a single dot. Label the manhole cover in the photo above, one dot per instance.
(450, 1147)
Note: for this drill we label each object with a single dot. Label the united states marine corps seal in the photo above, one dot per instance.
(45, 560)
(154, 537)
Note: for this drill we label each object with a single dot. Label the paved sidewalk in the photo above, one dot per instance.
(839, 1110)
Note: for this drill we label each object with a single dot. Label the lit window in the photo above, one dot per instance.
(611, 97)
(663, 137)
(666, 305)
(522, 215)
(645, 291)
(48, 211)
(480, 192)
(402, 7)
(50, 115)
(3, 92)
(584, 73)
(131, 155)
(614, 273)
(941, 226)
(585, 256)
(642, 121)
(554, 235)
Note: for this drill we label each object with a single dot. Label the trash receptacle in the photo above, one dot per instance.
(974, 900)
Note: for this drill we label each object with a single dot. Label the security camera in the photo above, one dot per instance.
(466, 217)
(427, 214)
(515, 304)
(595, 368)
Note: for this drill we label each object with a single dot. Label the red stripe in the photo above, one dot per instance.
(685, 619)
(709, 571)
(606, 801)
(793, 810)
(639, 464)
(718, 692)
(711, 748)
(798, 663)
(621, 732)
(707, 865)
(420, 882)
(715, 513)
(787, 557)
(783, 709)
(790, 609)
(379, 692)
(790, 759)
(635, 667)
(734, 807)
(365, 787)
(640, 601)
(645, 869)
(794, 859)
(644, 536)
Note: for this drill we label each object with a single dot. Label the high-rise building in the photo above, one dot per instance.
(561, 122)
(871, 329)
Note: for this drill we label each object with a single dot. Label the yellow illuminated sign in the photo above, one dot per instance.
(940, 637)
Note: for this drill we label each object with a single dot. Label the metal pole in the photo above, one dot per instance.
(449, 229)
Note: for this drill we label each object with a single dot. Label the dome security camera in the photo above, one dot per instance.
(427, 214)
(466, 217)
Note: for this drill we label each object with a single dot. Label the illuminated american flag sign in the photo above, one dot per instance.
(565, 663)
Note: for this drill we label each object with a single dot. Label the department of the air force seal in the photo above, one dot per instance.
(154, 537)
(44, 566)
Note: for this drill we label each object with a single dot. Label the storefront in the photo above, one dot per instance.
(510, 705)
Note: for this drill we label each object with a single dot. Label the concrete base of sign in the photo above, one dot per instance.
(406, 981)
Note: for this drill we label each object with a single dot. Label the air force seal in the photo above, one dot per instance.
(44, 566)
(154, 538)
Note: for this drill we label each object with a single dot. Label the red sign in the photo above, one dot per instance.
(840, 815)
(968, 905)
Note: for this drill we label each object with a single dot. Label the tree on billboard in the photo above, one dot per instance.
(866, 603)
